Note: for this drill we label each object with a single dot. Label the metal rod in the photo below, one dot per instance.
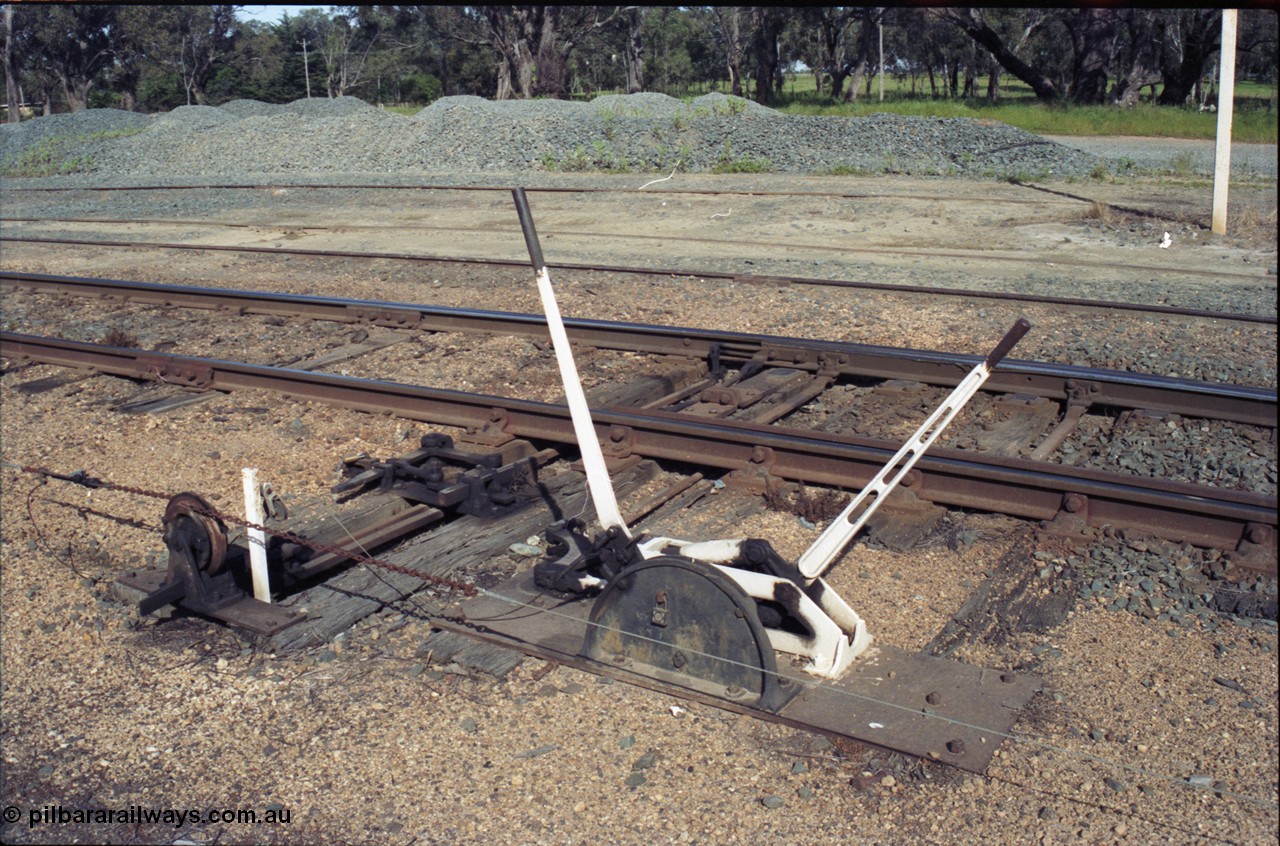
(598, 484)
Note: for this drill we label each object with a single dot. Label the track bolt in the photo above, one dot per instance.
(617, 434)
(661, 597)
(911, 479)
(1259, 533)
(933, 698)
(733, 690)
(758, 455)
(1073, 503)
(678, 660)
(955, 747)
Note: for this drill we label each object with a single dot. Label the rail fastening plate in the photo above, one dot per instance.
(917, 704)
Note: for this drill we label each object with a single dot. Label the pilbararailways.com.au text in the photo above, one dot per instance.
(51, 815)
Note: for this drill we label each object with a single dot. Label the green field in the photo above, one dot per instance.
(1255, 118)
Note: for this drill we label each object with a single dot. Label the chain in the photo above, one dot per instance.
(82, 478)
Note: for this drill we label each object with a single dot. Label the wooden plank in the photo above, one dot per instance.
(342, 601)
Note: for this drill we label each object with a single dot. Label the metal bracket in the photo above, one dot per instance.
(493, 433)
(1072, 519)
(1257, 549)
(444, 477)
(393, 318)
(166, 370)
(757, 476)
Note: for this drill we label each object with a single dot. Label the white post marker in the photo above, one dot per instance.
(257, 538)
(1226, 104)
(832, 541)
(598, 483)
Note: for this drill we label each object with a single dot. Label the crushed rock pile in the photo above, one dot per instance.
(637, 132)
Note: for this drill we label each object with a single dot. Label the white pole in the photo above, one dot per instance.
(1226, 102)
(257, 537)
(306, 67)
(881, 26)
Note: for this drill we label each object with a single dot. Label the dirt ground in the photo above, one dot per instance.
(1145, 733)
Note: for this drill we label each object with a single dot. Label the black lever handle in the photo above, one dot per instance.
(1008, 342)
(526, 223)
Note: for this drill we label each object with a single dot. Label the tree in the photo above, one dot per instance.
(973, 23)
(13, 97)
(1091, 40)
(635, 51)
(343, 42)
(74, 42)
(533, 45)
(767, 23)
(728, 32)
(1190, 38)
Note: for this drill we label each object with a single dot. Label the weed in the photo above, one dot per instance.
(48, 158)
(120, 338)
(679, 122)
(1182, 164)
(550, 162)
(610, 124)
(848, 170)
(1102, 212)
(729, 163)
(1100, 171)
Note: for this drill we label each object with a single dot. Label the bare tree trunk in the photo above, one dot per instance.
(766, 24)
(1092, 42)
(993, 84)
(863, 56)
(972, 23)
(13, 96)
(635, 53)
(731, 30)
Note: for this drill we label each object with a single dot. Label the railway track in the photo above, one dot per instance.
(1071, 500)
(741, 278)
(1077, 386)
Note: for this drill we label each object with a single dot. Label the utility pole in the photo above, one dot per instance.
(306, 67)
(1226, 103)
(880, 26)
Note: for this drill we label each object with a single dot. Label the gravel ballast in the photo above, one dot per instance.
(640, 132)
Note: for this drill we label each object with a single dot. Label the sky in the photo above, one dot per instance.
(270, 14)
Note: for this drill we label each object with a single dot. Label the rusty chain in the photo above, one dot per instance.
(85, 480)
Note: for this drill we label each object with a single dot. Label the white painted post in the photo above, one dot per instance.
(257, 537)
(1226, 102)
(881, 26)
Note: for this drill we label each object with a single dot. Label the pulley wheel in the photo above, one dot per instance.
(188, 521)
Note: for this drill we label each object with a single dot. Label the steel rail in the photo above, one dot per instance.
(1095, 499)
(275, 186)
(971, 255)
(742, 278)
(1099, 388)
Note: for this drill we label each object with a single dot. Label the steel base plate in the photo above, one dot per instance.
(916, 704)
(248, 613)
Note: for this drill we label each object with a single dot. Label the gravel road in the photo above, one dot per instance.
(1174, 154)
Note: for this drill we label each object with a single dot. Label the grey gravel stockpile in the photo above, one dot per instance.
(639, 132)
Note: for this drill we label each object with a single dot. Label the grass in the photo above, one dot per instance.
(1253, 122)
(51, 157)
(729, 163)
(48, 158)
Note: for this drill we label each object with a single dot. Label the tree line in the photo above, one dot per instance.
(67, 57)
